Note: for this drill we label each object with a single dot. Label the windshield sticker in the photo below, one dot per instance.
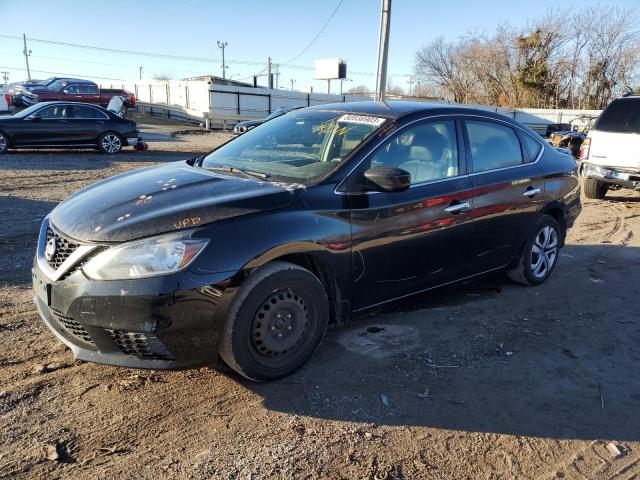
(362, 119)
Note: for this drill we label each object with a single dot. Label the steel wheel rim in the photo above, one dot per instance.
(111, 143)
(544, 251)
(3, 143)
(279, 325)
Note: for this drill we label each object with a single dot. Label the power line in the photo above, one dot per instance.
(318, 35)
(188, 58)
(74, 75)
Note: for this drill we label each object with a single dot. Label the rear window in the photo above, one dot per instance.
(621, 116)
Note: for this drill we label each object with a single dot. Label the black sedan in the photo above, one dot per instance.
(250, 251)
(67, 124)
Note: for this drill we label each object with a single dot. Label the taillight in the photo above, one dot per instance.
(584, 148)
(8, 98)
(133, 100)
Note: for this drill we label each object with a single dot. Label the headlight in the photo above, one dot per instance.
(145, 258)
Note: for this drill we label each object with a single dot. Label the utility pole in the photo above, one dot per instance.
(269, 74)
(27, 53)
(277, 68)
(222, 45)
(292, 82)
(383, 50)
(140, 71)
(410, 82)
(6, 78)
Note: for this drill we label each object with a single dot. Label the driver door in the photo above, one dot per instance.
(47, 126)
(413, 240)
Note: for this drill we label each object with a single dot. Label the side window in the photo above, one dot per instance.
(492, 146)
(88, 89)
(82, 112)
(72, 89)
(428, 151)
(53, 112)
(531, 146)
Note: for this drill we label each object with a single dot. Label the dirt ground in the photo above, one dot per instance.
(483, 381)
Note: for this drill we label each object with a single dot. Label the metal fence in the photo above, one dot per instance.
(221, 105)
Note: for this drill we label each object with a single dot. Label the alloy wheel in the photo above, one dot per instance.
(111, 143)
(544, 251)
(3, 143)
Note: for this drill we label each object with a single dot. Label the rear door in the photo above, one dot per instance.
(404, 242)
(85, 123)
(508, 190)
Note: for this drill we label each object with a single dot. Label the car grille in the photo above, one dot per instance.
(64, 248)
(142, 345)
(71, 326)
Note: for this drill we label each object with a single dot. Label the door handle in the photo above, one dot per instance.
(457, 208)
(531, 192)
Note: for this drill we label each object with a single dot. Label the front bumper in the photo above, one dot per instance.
(162, 322)
(628, 178)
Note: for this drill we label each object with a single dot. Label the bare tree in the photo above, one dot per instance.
(556, 60)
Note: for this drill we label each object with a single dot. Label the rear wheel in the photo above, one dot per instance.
(110, 143)
(4, 143)
(540, 253)
(277, 319)
(595, 189)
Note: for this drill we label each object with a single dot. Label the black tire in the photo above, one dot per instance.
(535, 267)
(594, 188)
(110, 143)
(4, 143)
(275, 322)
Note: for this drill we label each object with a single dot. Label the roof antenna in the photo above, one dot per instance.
(628, 91)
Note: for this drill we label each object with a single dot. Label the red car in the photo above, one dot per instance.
(75, 90)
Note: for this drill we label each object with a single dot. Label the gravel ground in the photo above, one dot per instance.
(485, 380)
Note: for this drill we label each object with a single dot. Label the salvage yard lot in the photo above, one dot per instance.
(484, 380)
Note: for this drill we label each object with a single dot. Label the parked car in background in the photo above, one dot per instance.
(67, 124)
(76, 90)
(610, 155)
(247, 125)
(17, 89)
(250, 251)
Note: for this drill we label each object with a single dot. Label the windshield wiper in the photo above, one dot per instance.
(246, 173)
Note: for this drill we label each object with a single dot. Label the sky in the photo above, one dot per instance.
(254, 31)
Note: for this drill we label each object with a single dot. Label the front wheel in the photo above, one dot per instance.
(4, 143)
(276, 321)
(540, 253)
(110, 143)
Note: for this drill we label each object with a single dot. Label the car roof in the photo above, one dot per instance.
(391, 108)
(62, 102)
(74, 80)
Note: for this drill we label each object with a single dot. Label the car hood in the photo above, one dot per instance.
(162, 199)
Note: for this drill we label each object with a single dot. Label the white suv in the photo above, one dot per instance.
(610, 155)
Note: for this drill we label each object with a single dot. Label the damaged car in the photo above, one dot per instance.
(249, 252)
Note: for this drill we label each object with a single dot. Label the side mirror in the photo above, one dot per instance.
(388, 179)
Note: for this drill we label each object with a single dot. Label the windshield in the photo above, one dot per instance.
(277, 113)
(57, 85)
(301, 146)
(28, 111)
